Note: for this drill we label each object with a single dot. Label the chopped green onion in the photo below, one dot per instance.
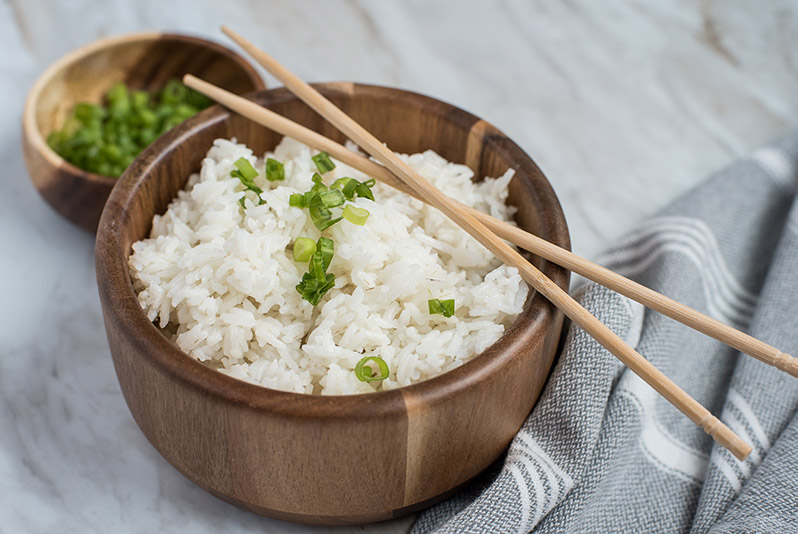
(174, 92)
(274, 170)
(364, 191)
(297, 200)
(318, 184)
(307, 196)
(341, 182)
(352, 188)
(441, 307)
(183, 111)
(321, 198)
(316, 282)
(105, 138)
(147, 117)
(198, 100)
(365, 373)
(332, 198)
(356, 215)
(302, 200)
(312, 289)
(246, 174)
(140, 100)
(118, 100)
(323, 162)
(316, 267)
(319, 214)
(88, 114)
(304, 247)
(327, 249)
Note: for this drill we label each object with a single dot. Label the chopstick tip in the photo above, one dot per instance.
(742, 452)
(189, 80)
(228, 31)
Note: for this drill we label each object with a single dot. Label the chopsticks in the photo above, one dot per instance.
(522, 239)
(643, 368)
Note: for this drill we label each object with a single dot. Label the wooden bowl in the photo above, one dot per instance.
(141, 61)
(320, 459)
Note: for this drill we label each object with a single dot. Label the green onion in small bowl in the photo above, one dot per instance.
(143, 62)
(105, 138)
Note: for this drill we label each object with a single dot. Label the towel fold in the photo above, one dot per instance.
(601, 451)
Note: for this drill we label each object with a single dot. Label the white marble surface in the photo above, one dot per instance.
(623, 104)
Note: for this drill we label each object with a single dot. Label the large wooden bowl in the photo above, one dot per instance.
(141, 61)
(317, 459)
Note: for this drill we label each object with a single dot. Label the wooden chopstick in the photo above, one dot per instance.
(626, 354)
(517, 236)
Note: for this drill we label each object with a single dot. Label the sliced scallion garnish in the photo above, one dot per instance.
(356, 215)
(327, 249)
(340, 183)
(319, 214)
(316, 282)
(365, 373)
(441, 307)
(246, 174)
(312, 289)
(320, 199)
(244, 170)
(274, 170)
(332, 198)
(297, 200)
(105, 138)
(363, 190)
(352, 188)
(304, 247)
(323, 162)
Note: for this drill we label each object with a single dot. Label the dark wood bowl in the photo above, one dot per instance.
(319, 459)
(141, 61)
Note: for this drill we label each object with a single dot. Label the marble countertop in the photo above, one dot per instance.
(624, 105)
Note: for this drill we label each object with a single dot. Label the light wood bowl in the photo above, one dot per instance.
(317, 459)
(141, 61)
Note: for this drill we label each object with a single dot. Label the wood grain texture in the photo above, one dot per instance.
(141, 61)
(327, 460)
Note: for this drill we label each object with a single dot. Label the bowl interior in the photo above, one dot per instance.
(407, 122)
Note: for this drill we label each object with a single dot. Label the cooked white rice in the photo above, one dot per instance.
(220, 280)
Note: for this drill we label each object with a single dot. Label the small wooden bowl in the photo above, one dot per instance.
(141, 61)
(318, 459)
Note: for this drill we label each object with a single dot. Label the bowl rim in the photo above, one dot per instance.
(31, 127)
(121, 306)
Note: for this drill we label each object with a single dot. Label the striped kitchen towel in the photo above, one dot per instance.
(601, 451)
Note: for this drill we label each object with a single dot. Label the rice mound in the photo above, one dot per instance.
(220, 280)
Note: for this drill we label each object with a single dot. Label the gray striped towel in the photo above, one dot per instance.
(601, 451)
